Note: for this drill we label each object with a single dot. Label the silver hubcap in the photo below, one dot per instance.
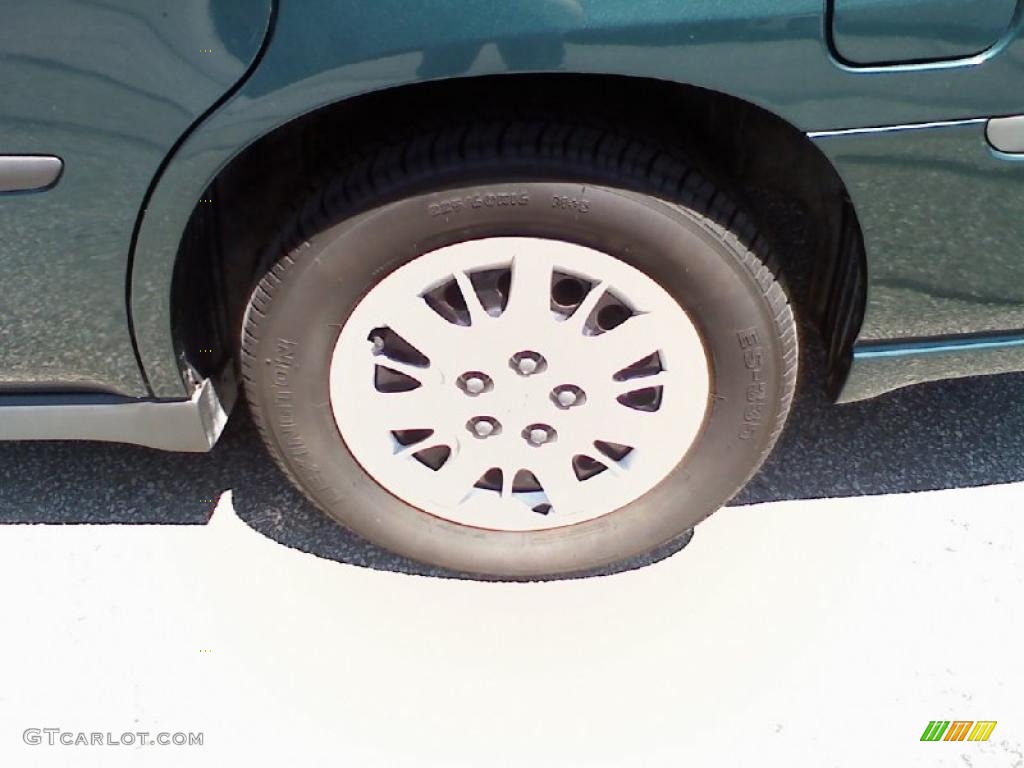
(518, 383)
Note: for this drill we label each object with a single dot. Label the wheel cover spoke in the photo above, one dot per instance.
(513, 451)
(529, 298)
(404, 410)
(477, 313)
(626, 426)
(615, 349)
(575, 323)
(419, 325)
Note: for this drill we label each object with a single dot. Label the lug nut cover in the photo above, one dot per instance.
(568, 396)
(483, 426)
(474, 383)
(539, 434)
(527, 363)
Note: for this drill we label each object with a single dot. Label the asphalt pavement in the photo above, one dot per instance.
(954, 434)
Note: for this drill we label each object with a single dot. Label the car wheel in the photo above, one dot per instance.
(522, 350)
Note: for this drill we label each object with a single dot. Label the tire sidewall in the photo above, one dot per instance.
(702, 265)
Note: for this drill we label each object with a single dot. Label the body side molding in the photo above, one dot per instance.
(191, 426)
(885, 366)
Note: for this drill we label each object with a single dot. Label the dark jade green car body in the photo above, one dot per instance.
(907, 105)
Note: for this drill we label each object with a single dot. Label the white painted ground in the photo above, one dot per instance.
(818, 633)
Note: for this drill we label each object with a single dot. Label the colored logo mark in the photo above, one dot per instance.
(958, 730)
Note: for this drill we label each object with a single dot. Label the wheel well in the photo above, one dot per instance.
(773, 169)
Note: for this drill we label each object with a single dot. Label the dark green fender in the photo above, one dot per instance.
(109, 86)
(72, 244)
(773, 53)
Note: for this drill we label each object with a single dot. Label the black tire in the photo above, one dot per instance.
(640, 203)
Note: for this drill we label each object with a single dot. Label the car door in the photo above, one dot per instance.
(109, 87)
